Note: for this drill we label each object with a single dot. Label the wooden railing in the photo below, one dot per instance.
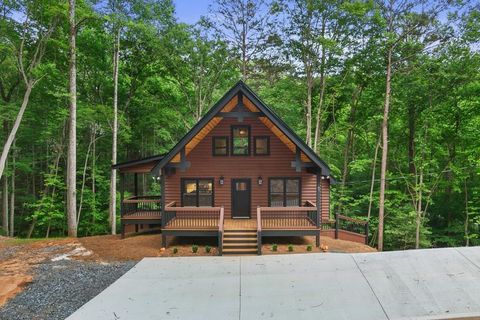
(192, 217)
(141, 206)
(288, 217)
(344, 223)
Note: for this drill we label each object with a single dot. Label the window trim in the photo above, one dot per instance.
(285, 189)
(182, 191)
(227, 146)
(255, 145)
(232, 137)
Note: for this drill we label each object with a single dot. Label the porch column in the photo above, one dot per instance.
(319, 207)
(162, 205)
(136, 184)
(122, 191)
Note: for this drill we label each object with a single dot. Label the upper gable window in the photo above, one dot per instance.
(240, 140)
(261, 146)
(220, 146)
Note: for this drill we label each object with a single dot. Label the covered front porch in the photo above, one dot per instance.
(233, 235)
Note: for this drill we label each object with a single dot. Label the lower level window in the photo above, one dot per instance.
(284, 192)
(197, 192)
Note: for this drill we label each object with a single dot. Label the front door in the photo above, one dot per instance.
(241, 198)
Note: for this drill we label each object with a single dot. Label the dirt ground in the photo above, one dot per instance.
(18, 257)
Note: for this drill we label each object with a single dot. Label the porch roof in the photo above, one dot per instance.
(143, 165)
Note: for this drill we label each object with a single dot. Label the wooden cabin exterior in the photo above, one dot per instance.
(239, 174)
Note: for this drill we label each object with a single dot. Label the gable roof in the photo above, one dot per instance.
(132, 164)
(240, 86)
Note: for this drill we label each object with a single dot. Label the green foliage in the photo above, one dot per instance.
(175, 250)
(208, 249)
(194, 248)
(274, 247)
(290, 247)
(309, 247)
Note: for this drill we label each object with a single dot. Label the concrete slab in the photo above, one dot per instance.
(306, 286)
(190, 288)
(415, 284)
(438, 283)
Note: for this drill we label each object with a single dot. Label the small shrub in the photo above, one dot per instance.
(208, 249)
(3, 232)
(175, 250)
(194, 248)
(309, 247)
(290, 248)
(274, 247)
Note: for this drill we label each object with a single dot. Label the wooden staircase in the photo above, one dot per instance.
(240, 242)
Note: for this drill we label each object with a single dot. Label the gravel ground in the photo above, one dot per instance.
(60, 288)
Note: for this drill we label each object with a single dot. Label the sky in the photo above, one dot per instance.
(189, 11)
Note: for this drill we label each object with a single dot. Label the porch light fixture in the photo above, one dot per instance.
(221, 181)
(260, 180)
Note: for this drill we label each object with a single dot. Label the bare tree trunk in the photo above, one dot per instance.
(72, 133)
(372, 183)
(466, 232)
(113, 178)
(323, 82)
(5, 205)
(419, 210)
(308, 116)
(12, 196)
(383, 167)
(8, 144)
(84, 176)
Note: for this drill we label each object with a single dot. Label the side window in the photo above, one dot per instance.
(220, 146)
(261, 146)
(284, 192)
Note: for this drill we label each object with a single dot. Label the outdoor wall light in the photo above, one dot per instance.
(221, 181)
(260, 180)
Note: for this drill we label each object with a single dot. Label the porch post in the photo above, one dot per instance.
(136, 184)
(122, 191)
(319, 208)
(162, 205)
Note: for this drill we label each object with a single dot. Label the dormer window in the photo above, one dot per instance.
(240, 140)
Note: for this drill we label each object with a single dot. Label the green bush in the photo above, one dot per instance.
(309, 247)
(208, 249)
(194, 248)
(290, 248)
(3, 232)
(274, 247)
(175, 250)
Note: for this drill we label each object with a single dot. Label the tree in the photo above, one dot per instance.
(246, 26)
(72, 125)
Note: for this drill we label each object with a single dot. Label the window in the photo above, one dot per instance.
(240, 140)
(220, 146)
(197, 192)
(262, 146)
(284, 192)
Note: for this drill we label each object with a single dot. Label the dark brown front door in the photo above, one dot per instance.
(241, 198)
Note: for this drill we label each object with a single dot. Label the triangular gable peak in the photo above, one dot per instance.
(240, 102)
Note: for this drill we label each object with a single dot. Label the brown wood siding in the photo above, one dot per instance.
(325, 196)
(205, 165)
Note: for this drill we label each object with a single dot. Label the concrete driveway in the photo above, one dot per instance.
(415, 284)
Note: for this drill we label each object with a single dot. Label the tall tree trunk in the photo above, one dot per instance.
(8, 143)
(308, 115)
(113, 178)
(5, 205)
(72, 133)
(419, 210)
(411, 138)
(323, 82)
(383, 166)
(12, 196)
(466, 232)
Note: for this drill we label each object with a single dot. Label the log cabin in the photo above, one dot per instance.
(240, 174)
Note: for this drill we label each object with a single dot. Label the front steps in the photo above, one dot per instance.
(240, 242)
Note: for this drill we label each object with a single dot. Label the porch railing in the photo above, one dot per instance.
(144, 206)
(288, 217)
(192, 217)
(344, 223)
